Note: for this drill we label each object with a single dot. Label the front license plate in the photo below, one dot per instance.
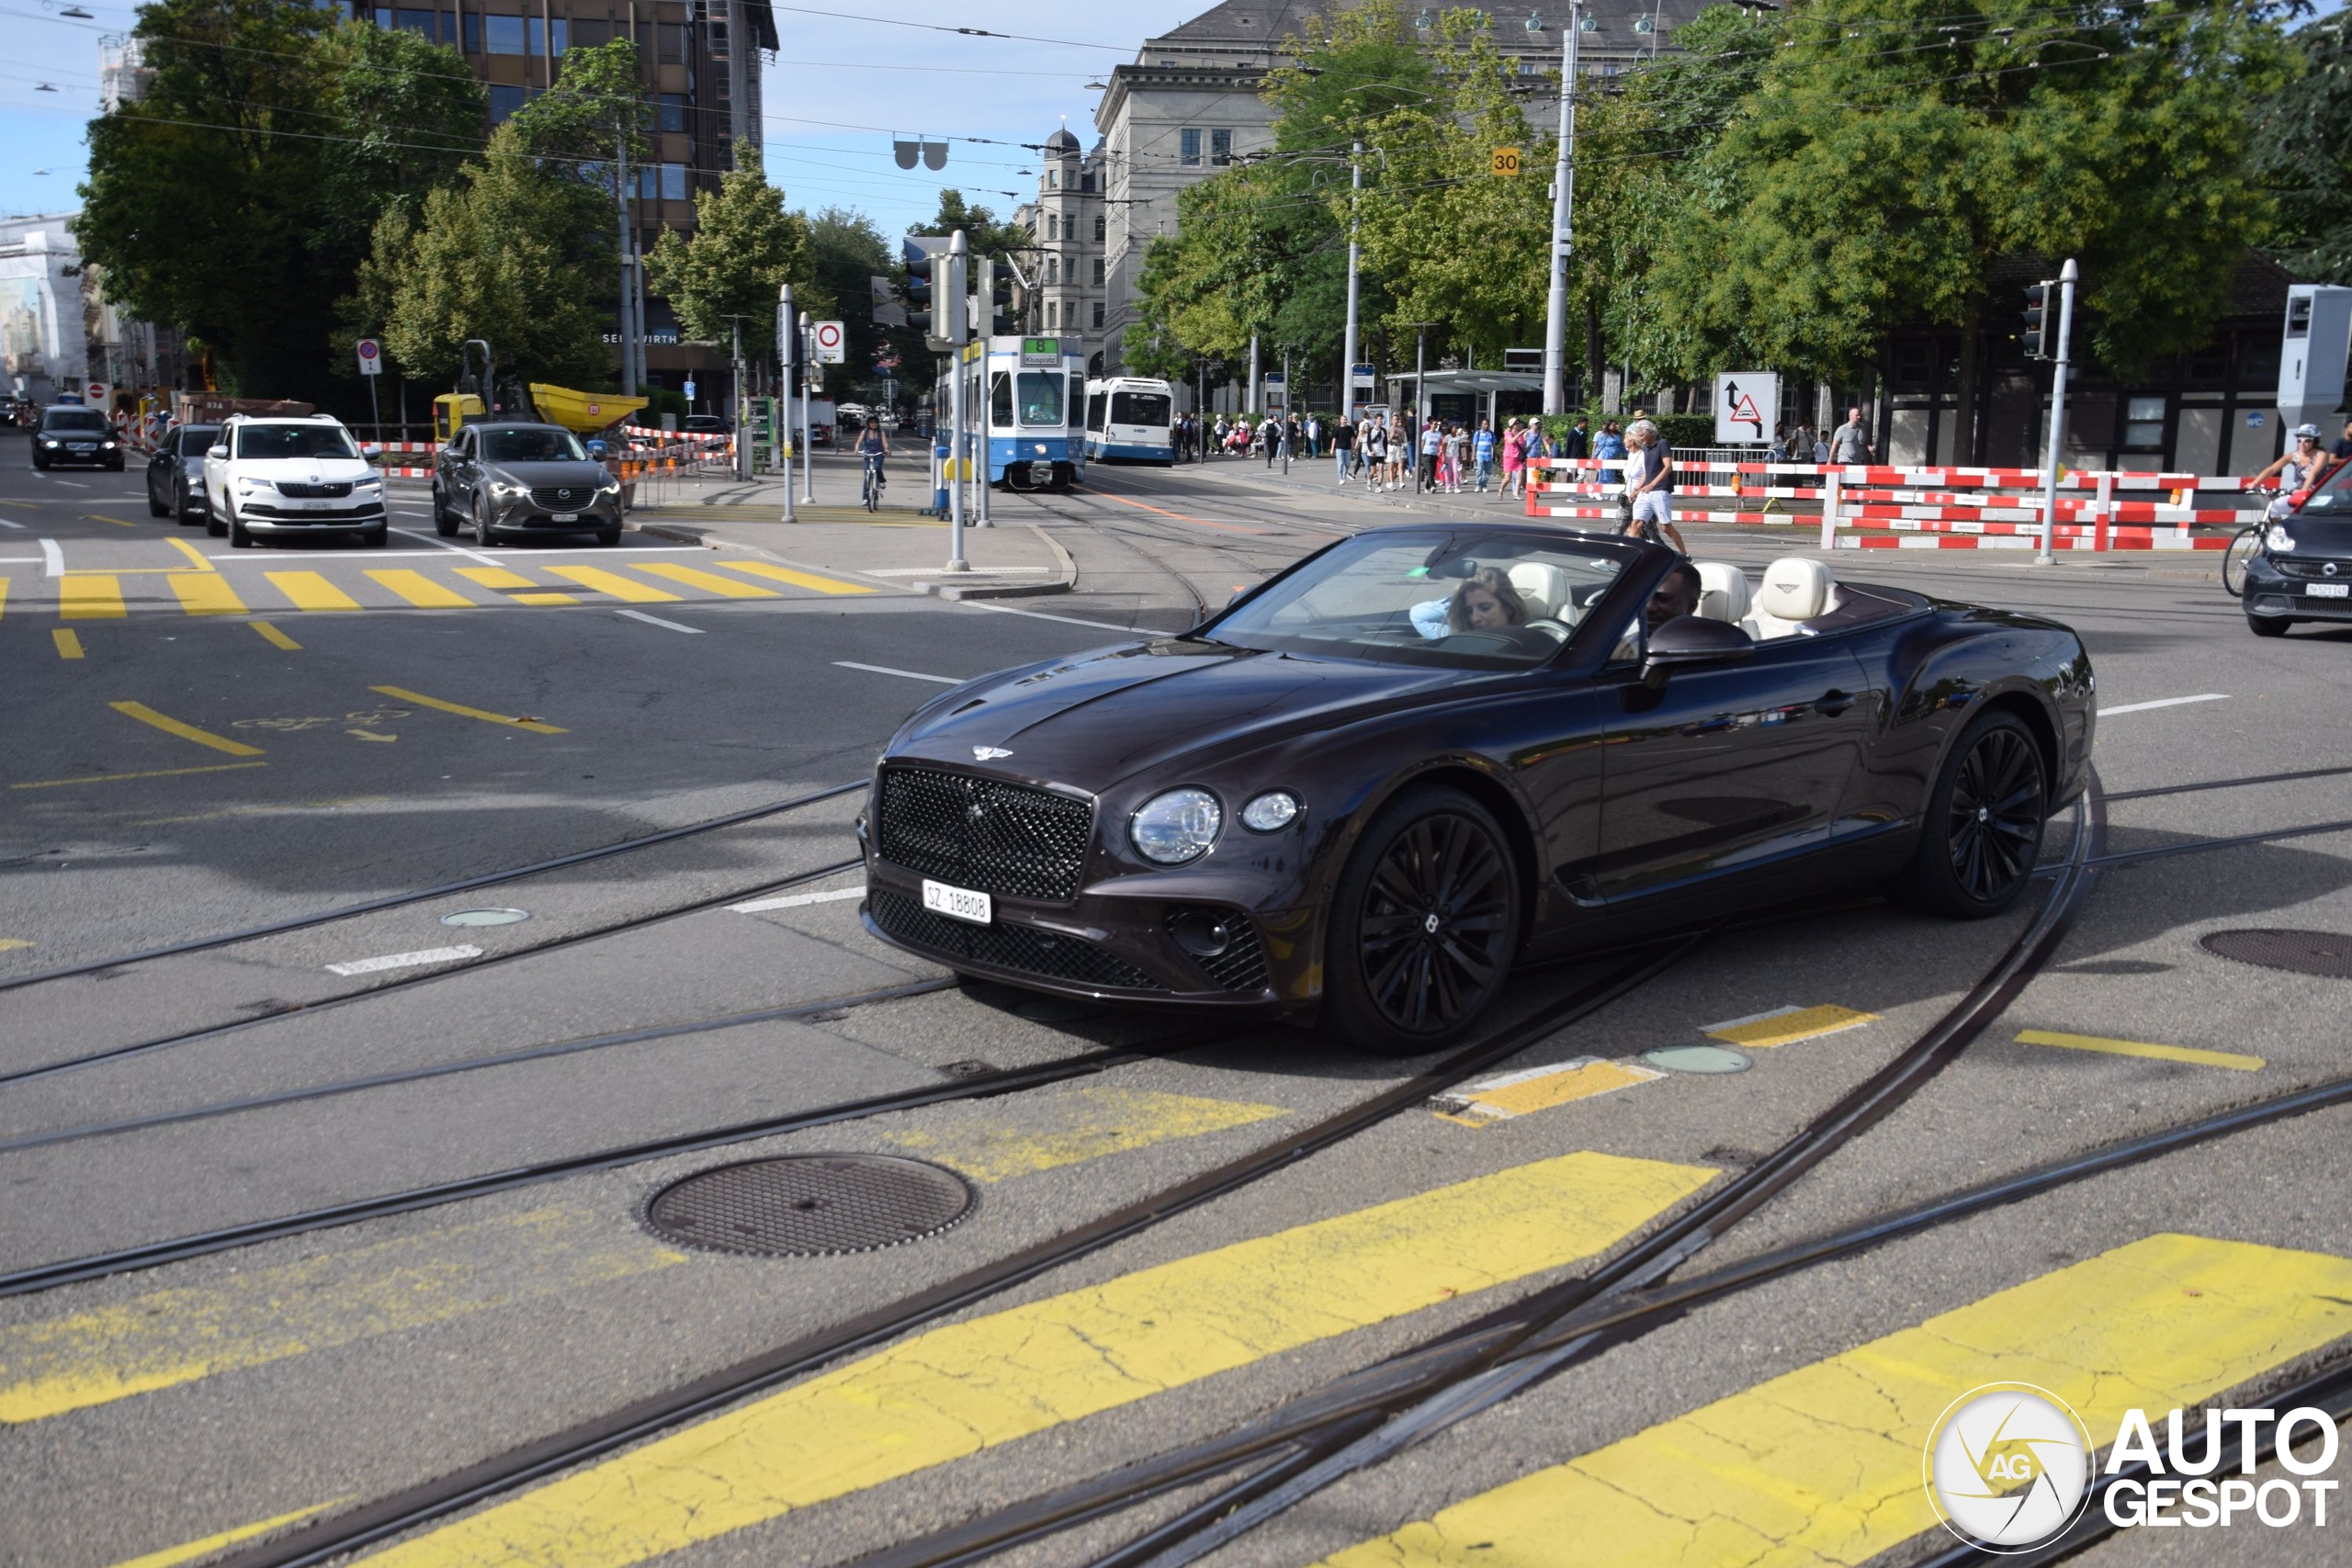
(567, 517)
(2328, 590)
(957, 903)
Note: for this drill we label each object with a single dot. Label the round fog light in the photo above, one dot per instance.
(1273, 809)
(1201, 933)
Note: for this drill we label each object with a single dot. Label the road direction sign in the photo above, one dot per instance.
(371, 357)
(1747, 407)
(827, 337)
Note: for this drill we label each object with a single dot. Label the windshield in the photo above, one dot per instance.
(74, 419)
(532, 447)
(1040, 396)
(1139, 408)
(1450, 598)
(266, 442)
(195, 439)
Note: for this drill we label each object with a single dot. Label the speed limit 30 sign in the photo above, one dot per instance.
(826, 339)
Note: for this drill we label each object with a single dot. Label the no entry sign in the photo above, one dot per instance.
(826, 336)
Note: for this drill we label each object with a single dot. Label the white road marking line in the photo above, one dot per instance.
(794, 901)
(403, 960)
(441, 543)
(21, 561)
(909, 674)
(54, 557)
(1067, 620)
(6, 524)
(77, 484)
(2165, 703)
(657, 621)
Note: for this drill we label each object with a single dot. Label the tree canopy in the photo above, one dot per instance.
(744, 248)
(2302, 153)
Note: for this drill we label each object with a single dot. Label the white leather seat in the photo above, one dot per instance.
(1796, 588)
(1722, 592)
(1544, 589)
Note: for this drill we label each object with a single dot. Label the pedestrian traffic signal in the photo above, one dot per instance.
(2036, 334)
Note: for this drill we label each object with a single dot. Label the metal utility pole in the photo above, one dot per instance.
(1290, 405)
(1563, 201)
(629, 332)
(787, 336)
(950, 312)
(1347, 348)
(637, 308)
(808, 419)
(743, 446)
(1201, 417)
(2067, 275)
(1256, 404)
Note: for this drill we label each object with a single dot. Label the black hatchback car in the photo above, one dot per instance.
(2304, 571)
(175, 473)
(533, 478)
(70, 435)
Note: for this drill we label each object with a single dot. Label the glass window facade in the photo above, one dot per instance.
(505, 34)
(1188, 143)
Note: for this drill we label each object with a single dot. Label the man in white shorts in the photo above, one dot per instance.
(1649, 479)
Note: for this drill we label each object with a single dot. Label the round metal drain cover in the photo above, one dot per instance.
(2328, 953)
(809, 1205)
(1699, 1059)
(485, 916)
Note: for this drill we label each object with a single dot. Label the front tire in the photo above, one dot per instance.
(238, 538)
(485, 535)
(1983, 827)
(1424, 924)
(443, 523)
(156, 508)
(2268, 625)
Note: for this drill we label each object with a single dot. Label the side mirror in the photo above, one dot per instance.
(216, 451)
(1693, 639)
(597, 449)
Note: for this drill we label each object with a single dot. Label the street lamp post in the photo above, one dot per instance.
(1347, 350)
(2067, 277)
(1563, 198)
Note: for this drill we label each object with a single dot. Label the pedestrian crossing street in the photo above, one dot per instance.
(82, 596)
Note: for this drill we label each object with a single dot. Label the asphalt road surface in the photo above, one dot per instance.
(200, 741)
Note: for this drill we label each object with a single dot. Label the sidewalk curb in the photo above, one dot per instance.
(945, 589)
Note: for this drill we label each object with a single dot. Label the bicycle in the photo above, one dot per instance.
(2243, 548)
(871, 491)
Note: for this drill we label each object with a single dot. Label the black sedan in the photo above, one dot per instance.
(175, 472)
(1373, 784)
(70, 434)
(2304, 571)
(535, 479)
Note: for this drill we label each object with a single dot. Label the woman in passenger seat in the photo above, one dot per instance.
(1485, 601)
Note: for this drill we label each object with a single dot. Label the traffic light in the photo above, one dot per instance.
(925, 254)
(2036, 334)
(992, 286)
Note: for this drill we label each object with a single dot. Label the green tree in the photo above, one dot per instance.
(846, 251)
(982, 230)
(2303, 151)
(1895, 151)
(744, 247)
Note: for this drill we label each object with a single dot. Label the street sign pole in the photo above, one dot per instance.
(1347, 348)
(1564, 202)
(787, 360)
(808, 420)
(950, 312)
(2067, 275)
(371, 367)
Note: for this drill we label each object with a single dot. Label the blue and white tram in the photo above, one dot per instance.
(1031, 392)
(1128, 420)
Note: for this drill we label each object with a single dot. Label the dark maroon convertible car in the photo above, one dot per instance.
(1370, 785)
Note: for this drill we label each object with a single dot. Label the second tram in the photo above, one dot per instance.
(1129, 419)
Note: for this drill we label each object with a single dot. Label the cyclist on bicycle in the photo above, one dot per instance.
(2299, 469)
(873, 447)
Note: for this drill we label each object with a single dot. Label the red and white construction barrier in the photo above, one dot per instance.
(702, 435)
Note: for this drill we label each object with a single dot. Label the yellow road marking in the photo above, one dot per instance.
(500, 578)
(171, 1337)
(2230, 1059)
(309, 591)
(192, 553)
(1087, 1123)
(203, 593)
(1821, 1465)
(955, 1390)
(797, 579)
(710, 583)
(3, 595)
(169, 726)
(1784, 1026)
(1538, 1089)
(459, 708)
(94, 596)
(264, 810)
(118, 522)
(10, 943)
(190, 1550)
(69, 643)
(155, 774)
(275, 637)
(614, 583)
(422, 591)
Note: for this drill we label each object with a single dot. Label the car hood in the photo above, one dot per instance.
(1091, 720)
(576, 476)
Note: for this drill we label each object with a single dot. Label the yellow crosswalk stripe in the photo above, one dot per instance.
(206, 594)
(710, 583)
(170, 725)
(422, 591)
(1786, 1025)
(3, 595)
(69, 643)
(1821, 1465)
(101, 1354)
(90, 596)
(955, 1390)
(797, 579)
(1087, 1123)
(2233, 1060)
(276, 638)
(1538, 1089)
(614, 583)
(500, 578)
(309, 591)
(189, 1551)
(195, 556)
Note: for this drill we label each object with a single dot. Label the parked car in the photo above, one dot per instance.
(175, 472)
(705, 424)
(71, 434)
(266, 478)
(2302, 568)
(515, 477)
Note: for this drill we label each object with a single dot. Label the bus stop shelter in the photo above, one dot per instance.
(1483, 388)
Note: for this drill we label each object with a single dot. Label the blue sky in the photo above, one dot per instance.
(839, 90)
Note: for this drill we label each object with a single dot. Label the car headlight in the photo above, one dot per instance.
(252, 484)
(107, 446)
(612, 487)
(48, 441)
(1176, 826)
(1275, 809)
(508, 491)
(2278, 539)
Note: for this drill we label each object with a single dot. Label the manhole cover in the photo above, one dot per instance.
(1698, 1059)
(485, 916)
(809, 1205)
(2305, 953)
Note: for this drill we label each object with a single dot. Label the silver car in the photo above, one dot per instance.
(175, 473)
(522, 478)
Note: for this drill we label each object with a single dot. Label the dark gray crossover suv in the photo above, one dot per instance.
(522, 478)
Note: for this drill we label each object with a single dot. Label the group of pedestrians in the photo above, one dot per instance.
(1390, 452)
(1848, 444)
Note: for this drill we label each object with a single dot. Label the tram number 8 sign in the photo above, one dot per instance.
(1506, 161)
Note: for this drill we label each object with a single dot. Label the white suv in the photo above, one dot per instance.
(291, 476)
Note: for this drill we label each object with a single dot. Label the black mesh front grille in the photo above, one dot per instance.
(1242, 965)
(2343, 572)
(1020, 948)
(999, 838)
(313, 493)
(562, 498)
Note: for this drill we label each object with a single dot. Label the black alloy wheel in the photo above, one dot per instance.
(1982, 828)
(444, 524)
(1424, 925)
(485, 535)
